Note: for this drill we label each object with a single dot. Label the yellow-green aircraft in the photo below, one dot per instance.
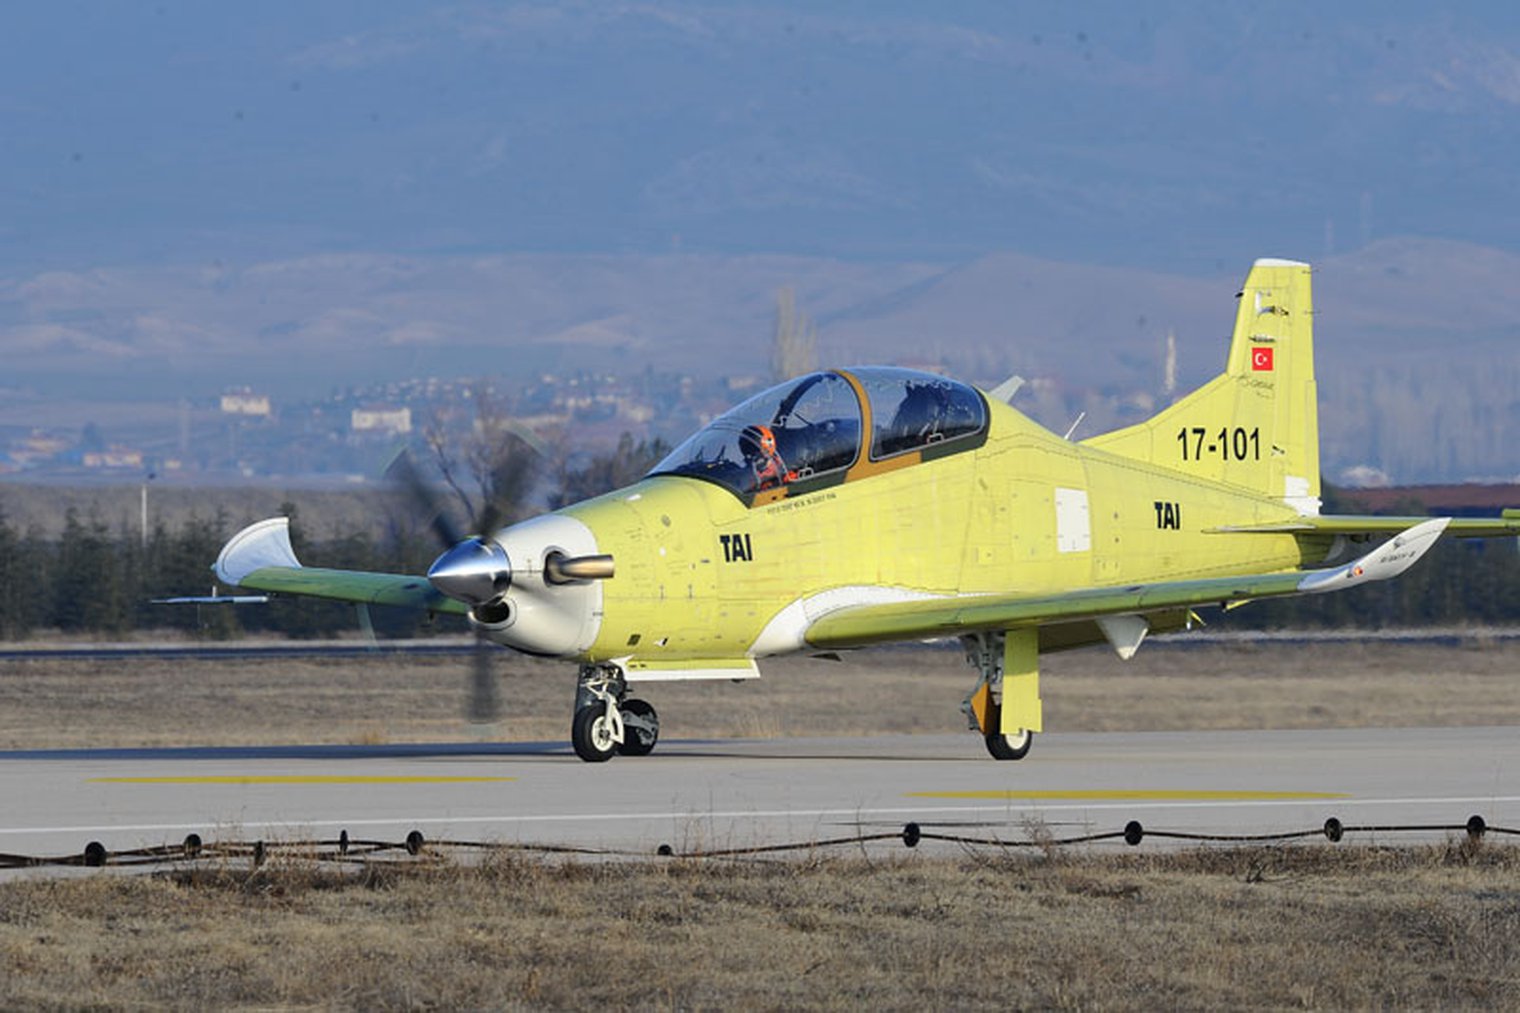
(861, 506)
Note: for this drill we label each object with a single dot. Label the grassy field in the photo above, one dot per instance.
(1302, 926)
(48, 703)
(1309, 927)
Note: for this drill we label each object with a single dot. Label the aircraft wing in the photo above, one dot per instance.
(1506, 524)
(859, 625)
(260, 558)
(358, 586)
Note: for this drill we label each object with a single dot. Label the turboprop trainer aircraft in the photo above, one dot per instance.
(860, 506)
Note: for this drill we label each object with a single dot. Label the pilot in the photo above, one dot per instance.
(759, 446)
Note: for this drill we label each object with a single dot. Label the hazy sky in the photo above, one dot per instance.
(1190, 135)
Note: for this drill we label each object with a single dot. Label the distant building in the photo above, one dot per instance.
(381, 419)
(113, 457)
(38, 448)
(744, 383)
(45, 444)
(245, 402)
(542, 422)
(635, 411)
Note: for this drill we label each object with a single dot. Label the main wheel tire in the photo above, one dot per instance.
(591, 734)
(1010, 747)
(641, 728)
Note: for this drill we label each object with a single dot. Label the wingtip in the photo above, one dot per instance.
(260, 545)
(1388, 560)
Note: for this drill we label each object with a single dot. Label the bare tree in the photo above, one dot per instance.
(491, 466)
(793, 350)
(630, 461)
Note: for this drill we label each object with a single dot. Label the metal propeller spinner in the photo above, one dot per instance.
(475, 571)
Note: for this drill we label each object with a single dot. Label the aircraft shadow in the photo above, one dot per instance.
(710, 751)
(388, 751)
(674, 750)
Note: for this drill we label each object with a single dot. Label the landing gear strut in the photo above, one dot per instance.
(641, 728)
(607, 720)
(1005, 703)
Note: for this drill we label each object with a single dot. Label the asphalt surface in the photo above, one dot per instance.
(718, 795)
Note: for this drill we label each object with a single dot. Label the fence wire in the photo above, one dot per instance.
(345, 849)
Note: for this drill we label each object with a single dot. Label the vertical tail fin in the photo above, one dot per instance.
(1256, 426)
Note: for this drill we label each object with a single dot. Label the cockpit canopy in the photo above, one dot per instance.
(806, 433)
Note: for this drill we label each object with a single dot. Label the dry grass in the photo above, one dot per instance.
(388, 698)
(1301, 927)
(1306, 927)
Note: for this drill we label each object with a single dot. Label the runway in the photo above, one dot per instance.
(712, 795)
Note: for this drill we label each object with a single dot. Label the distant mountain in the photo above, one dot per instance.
(302, 326)
(1165, 134)
(302, 196)
(1416, 337)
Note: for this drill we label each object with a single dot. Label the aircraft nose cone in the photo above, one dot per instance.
(474, 571)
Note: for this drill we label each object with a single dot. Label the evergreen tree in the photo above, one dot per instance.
(13, 608)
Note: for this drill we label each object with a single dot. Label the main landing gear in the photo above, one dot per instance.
(1010, 747)
(607, 720)
(1005, 703)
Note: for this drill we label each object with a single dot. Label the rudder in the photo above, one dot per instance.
(1256, 426)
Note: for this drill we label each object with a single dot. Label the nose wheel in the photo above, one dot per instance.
(594, 733)
(608, 721)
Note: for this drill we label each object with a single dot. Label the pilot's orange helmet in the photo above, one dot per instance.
(760, 438)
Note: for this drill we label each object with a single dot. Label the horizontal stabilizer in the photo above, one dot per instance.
(1505, 525)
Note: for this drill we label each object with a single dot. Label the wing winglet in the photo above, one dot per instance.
(256, 547)
(1389, 559)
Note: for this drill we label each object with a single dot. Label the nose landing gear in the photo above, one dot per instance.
(607, 720)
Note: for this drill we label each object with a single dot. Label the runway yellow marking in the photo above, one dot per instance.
(1137, 795)
(295, 779)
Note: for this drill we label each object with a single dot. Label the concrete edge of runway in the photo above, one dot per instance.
(704, 795)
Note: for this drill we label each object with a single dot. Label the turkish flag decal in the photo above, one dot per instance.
(1261, 359)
